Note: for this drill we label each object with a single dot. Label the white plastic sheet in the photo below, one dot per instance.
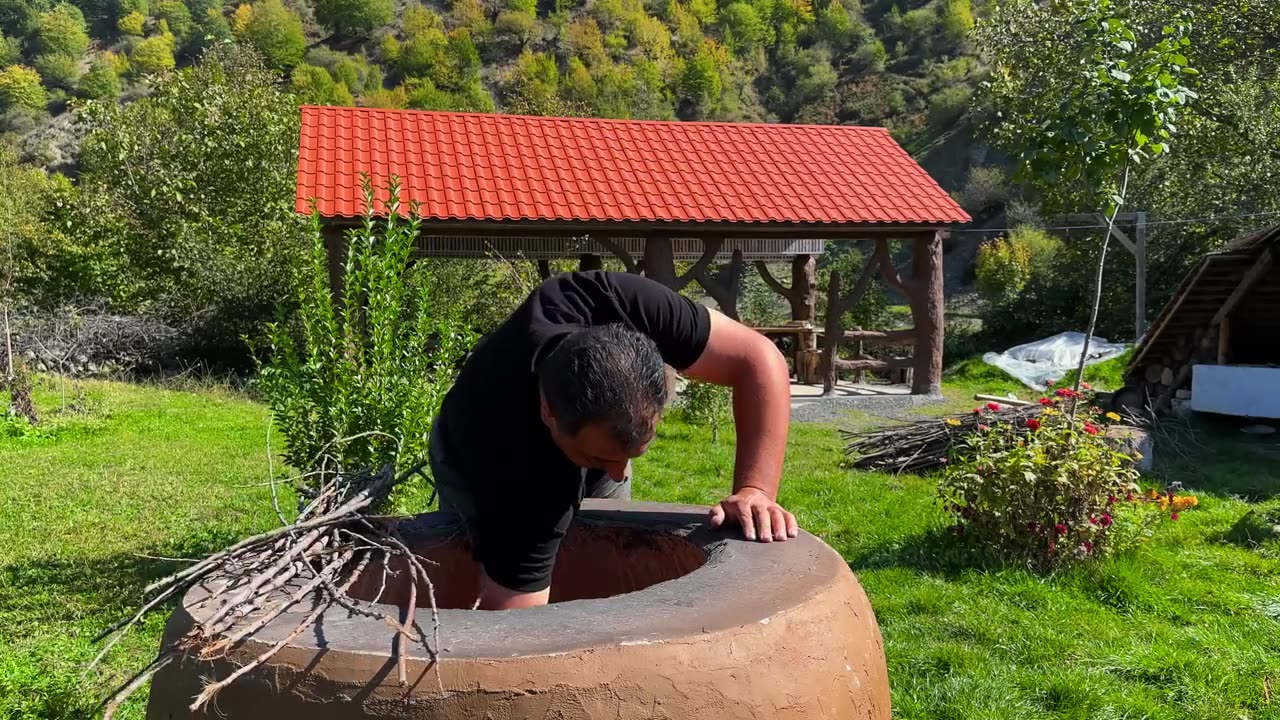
(1036, 363)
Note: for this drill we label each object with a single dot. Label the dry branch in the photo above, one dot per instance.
(320, 555)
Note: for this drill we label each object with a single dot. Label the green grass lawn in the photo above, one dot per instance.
(1187, 626)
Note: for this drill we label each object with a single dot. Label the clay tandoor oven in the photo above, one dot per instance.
(653, 615)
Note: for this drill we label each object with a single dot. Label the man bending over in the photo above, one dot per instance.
(553, 405)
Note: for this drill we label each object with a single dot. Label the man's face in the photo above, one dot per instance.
(594, 446)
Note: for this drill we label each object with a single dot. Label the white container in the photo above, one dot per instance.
(1241, 390)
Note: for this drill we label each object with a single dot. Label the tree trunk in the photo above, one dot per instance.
(927, 309)
(544, 269)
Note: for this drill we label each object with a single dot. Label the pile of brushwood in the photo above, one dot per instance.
(926, 444)
(337, 536)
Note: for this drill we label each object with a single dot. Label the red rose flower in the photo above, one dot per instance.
(1066, 392)
(1086, 386)
(977, 411)
(1062, 529)
(1045, 401)
(1111, 500)
(1088, 546)
(1033, 424)
(1106, 521)
(1091, 428)
(993, 407)
(1128, 497)
(1174, 516)
(1093, 521)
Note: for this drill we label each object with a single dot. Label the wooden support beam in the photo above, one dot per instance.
(725, 288)
(837, 305)
(885, 337)
(618, 251)
(871, 364)
(660, 260)
(544, 269)
(928, 310)
(589, 261)
(802, 295)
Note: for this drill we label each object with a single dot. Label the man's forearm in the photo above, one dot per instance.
(762, 417)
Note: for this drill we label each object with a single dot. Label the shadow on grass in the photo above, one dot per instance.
(96, 589)
(1212, 454)
(938, 552)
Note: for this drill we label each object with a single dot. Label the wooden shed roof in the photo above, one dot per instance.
(1216, 282)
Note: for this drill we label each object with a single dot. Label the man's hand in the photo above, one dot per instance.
(757, 514)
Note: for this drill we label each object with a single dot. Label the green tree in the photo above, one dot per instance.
(20, 88)
(583, 39)
(742, 28)
(578, 85)
(10, 50)
(313, 85)
(153, 55)
(349, 18)
(276, 31)
(178, 18)
(701, 83)
(210, 250)
(101, 81)
(1081, 112)
(471, 14)
(60, 31)
(956, 18)
(132, 24)
(58, 71)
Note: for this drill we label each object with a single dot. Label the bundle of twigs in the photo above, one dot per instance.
(319, 555)
(925, 444)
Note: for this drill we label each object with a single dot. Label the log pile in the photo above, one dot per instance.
(335, 538)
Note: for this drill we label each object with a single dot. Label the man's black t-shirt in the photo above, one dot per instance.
(526, 490)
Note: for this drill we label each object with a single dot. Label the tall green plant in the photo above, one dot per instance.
(355, 382)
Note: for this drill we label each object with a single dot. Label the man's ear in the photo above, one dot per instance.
(545, 410)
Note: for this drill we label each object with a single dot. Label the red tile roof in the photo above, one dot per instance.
(508, 167)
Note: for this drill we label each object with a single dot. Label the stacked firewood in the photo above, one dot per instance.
(925, 444)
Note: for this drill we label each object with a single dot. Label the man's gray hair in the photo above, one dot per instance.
(608, 374)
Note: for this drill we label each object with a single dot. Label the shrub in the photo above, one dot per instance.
(356, 384)
(948, 105)
(20, 88)
(520, 28)
(101, 82)
(276, 31)
(984, 188)
(355, 17)
(176, 15)
(706, 405)
(1006, 267)
(315, 86)
(132, 24)
(1044, 491)
(153, 56)
(59, 31)
(58, 71)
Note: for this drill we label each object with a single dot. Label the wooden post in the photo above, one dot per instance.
(927, 310)
(335, 250)
(860, 349)
(660, 260)
(544, 269)
(831, 339)
(589, 261)
(1224, 341)
(1140, 259)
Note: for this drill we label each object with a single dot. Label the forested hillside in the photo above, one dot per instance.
(148, 147)
(907, 65)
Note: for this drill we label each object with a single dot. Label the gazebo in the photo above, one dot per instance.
(650, 194)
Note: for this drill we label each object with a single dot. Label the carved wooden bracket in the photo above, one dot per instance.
(725, 291)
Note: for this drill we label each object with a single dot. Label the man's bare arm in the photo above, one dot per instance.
(749, 363)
